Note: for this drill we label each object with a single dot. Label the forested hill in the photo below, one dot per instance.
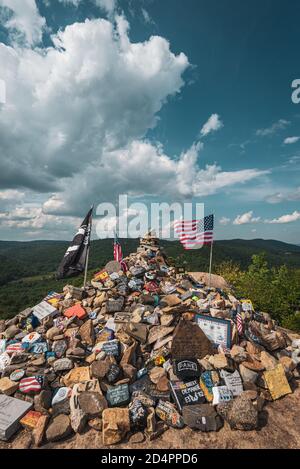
(29, 259)
(27, 268)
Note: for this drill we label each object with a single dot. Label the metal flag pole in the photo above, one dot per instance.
(88, 252)
(210, 262)
(210, 257)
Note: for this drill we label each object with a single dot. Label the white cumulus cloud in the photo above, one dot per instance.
(213, 124)
(246, 218)
(23, 20)
(289, 218)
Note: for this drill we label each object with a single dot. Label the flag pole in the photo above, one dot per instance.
(210, 262)
(88, 254)
(211, 253)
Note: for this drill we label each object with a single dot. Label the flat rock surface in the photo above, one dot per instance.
(279, 428)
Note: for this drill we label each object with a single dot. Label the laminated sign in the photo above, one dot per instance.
(247, 305)
(217, 330)
(186, 393)
(44, 310)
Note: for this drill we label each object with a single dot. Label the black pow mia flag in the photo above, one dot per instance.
(74, 260)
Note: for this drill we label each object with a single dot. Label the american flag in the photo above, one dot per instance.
(194, 233)
(14, 348)
(52, 295)
(239, 323)
(118, 254)
(31, 384)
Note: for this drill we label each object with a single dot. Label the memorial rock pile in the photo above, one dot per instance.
(142, 348)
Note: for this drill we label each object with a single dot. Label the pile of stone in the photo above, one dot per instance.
(139, 350)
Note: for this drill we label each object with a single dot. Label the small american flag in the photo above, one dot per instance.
(14, 348)
(118, 254)
(52, 295)
(31, 384)
(194, 233)
(239, 323)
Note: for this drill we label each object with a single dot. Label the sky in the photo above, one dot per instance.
(162, 100)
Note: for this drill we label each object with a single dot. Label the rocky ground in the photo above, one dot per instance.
(279, 427)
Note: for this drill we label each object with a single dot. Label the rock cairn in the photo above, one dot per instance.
(141, 349)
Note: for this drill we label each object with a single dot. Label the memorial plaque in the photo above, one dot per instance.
(44, 310)
(247, 305)
(217, 330)
(186, 393)
(186, 369)
(233, 381)
(190, 342)
(11, 412)
(168, 413)
(118, 395)
(122, 317)
(221, 394)
(114, 306)
(111, 347)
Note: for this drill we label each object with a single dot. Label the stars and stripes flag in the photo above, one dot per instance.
(14, 348)
(193, 234)
(52, 295)
(75, 258)
(239, 323)
(118, 254)
(31, 384)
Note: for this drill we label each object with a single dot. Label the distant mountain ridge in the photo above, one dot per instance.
(27, 268)
(25, 259)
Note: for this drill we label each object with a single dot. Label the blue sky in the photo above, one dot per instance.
(117, 106)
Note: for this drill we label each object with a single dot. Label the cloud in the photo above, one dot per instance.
(291, 140)
(143, 169)
(11, 195)
(146, 16)
(285, 218)
(224, 221)
(213, 124)
(246, 218)
(69, 105)
(108, 5)
(273, 129)
(23, 21)
(78, 113)
(279, 197)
